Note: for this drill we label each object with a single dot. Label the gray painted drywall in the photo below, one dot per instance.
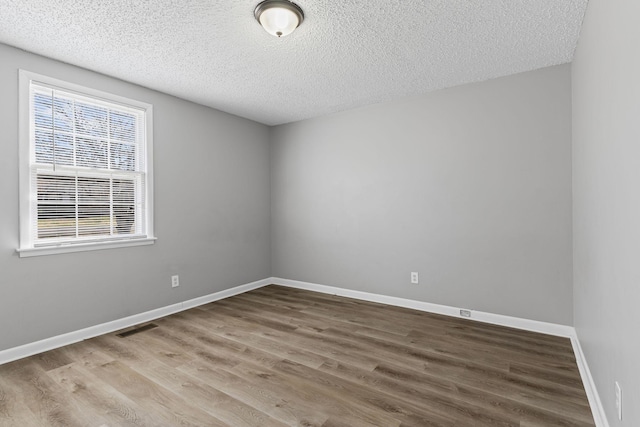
(606, 216)
(211, 217)
(470, 187)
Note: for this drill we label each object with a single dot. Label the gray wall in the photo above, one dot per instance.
(211, 216)
(470, 187)
(606, 180)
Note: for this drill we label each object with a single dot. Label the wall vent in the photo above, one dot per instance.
(137, 330)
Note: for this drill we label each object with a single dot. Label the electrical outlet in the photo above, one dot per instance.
(175, 281)
(465, 313)
(619, 400)
(414, 277)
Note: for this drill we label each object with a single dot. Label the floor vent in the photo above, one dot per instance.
(137, 330)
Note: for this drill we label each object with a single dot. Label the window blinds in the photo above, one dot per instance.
(87, 168)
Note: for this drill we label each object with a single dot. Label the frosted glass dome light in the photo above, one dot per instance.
(279, 17)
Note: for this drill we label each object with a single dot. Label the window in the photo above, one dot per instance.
(85, 168)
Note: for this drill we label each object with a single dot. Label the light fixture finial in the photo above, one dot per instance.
(279, 17)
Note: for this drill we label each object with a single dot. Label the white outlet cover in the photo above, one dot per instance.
(619, 400)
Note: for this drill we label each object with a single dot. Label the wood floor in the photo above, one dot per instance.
(284, 357)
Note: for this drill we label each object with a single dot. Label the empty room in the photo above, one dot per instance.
(319, 213)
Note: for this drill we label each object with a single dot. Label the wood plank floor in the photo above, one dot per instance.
(277, 356)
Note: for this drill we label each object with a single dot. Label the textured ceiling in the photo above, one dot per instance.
(347, 53)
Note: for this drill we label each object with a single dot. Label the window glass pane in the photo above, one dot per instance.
(123, 156)
(91, 153)
(91, 120)
(94, 213)
(94, 220)
(42, 110)
(64, 149)
(123, 126)
(124, 209)
(93, 190)
(64, 114)
(56, 221)
(56, 206)
(44, 146)
(63, 154)
(57, 188)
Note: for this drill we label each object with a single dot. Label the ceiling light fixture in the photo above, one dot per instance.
(279, 17)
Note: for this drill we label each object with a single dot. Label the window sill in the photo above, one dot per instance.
(83, 247)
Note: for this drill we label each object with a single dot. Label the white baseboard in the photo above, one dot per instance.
(496, 319)
(30, 349)
(47, 344)
(595, 403)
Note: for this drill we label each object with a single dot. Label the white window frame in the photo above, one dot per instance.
(26, 156)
